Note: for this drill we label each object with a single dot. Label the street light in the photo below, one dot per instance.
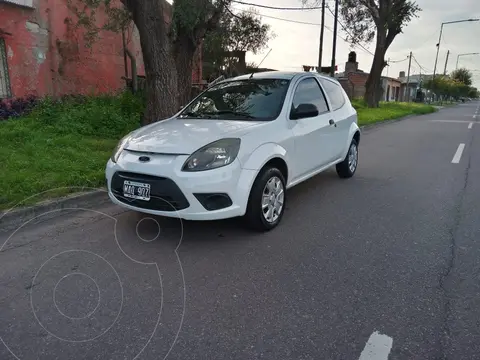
(440, 39)
(458, 57)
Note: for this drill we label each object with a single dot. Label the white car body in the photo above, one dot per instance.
(302, 148)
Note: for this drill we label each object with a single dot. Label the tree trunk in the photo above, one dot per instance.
(187, 42)
(160, 70)
(184, 50)
(374, 79)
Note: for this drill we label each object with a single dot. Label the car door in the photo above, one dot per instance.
(340, 113)
(311, 135)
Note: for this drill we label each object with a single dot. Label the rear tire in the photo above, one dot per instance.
(346, 169)
(266, 203)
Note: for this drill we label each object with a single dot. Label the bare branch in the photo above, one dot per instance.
(117, 17)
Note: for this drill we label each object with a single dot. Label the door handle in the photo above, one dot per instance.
(332, 122)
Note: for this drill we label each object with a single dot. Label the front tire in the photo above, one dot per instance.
(266, 203)
(346, 169)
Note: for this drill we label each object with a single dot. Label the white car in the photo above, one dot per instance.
(236, 148)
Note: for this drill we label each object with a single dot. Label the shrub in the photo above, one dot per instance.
(14, 108)
(61, 143)
(104, 116)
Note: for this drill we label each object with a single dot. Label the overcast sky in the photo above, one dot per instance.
(297, 44)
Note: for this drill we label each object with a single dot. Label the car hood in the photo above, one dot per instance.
(185, 136)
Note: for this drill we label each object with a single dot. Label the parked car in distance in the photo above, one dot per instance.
(236, 148)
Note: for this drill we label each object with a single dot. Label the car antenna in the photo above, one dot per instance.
(260, 63)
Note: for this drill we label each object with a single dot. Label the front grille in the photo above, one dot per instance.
(165, 195)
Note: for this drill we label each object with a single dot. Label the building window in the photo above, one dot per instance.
(27, 3)
(5, 90)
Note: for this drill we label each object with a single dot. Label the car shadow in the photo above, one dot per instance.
(220, 230)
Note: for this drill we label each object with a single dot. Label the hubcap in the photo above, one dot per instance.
(352, 157)
(272, 199)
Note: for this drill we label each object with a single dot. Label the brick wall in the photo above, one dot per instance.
(358, 81)
(354, 84)
(347, 86)
(47, 55)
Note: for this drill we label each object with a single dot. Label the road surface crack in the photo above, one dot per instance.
(449, 268)
(13, 247)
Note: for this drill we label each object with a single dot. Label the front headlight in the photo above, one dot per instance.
(119, 148)
(214, 155)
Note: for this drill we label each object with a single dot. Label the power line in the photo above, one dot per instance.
(316, 24)
(282, 19)
(233, 14)
(397, 61)
(421, 67)
(345, 29)
(416, 61)
(428, 40)
(306, 23)
(278, 8)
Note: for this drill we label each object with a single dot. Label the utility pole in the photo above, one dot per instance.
(419, 87)
(446, 62)
(334, 47)
(320, 50)
(438, 49)
(408, 76)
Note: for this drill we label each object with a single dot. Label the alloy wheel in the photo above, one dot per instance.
(352, 157)
(272, 199)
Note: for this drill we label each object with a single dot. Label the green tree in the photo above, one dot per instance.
(168, 49)
(463, 75)
(381, 20)
(473, 93)
(242, 32)
(446, 86)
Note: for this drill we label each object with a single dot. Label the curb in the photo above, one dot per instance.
(12, 219)
(386, 122)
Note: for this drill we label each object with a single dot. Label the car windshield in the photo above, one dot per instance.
(249, 99)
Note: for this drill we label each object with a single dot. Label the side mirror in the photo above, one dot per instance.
(304, 111)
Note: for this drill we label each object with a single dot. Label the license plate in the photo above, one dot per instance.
(136, 190)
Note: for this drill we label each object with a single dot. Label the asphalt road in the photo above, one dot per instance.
(384, 263)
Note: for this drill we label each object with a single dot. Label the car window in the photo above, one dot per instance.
(249, 99)
(334, 93)
(309, 92)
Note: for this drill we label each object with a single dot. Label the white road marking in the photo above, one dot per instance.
(458, 154)
(378, 347)
(470, 125)
(451, 121)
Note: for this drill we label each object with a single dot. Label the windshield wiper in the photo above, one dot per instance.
(233, 112)
(196, 115)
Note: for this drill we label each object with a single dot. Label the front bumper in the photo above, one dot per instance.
(179, 194)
